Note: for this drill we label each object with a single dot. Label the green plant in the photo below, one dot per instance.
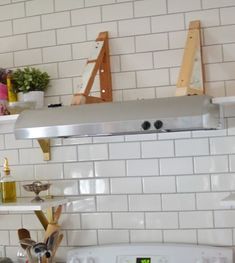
(29, 79)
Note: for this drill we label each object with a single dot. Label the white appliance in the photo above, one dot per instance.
(150, 253)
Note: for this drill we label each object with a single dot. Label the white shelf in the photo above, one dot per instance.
(224, 100)
(228, 201)
(25, 204)
(8, 118)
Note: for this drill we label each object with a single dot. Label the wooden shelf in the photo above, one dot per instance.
(25, 204)
(8, 118)
(228, 201)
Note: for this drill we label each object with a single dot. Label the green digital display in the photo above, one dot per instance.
(143, 260)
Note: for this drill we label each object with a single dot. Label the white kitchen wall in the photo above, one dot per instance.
(137, 188)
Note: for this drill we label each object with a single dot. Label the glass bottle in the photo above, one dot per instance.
(8, 185)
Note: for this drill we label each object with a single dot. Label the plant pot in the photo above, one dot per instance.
(32, 96)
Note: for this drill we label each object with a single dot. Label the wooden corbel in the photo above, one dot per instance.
(45, 146)
(191, 80)
(98, 62)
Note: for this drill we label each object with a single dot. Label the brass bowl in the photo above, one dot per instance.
(37, 187)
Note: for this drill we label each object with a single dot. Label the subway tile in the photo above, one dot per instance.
(132, 61)
(94, 186)
(50, 68)
(64, 187)
(28, 57)
(129, 150)
(10, 222)
(2, 145)
(223, 145)
(178, 202)
(78, 170)
(219, 35)
(38, 7)
(168, 58)
(157, 149)
(7, 59)
(176, 166)
(125, 185)
(175, 6)
(85, 16)
(12, 143)
(12, 155)
(13, 43)
(149, 8)
(57, 53)
(124, 45)
(81, 204)
(192, 183)
(142, 167)
(61, 5)
(55, 20)
(208, 18)
(227, 15)
(167, 23)
(128, 80)
(156, 77)
(215, 237)
(29, 221)
(161, 220)
(93, 30)
(71, 68)
(231, 126)
(130, 220)
(228, 52)
(222, 182)
(82, 237)
(174, 135)
(48, 171)
(215, 89)
(163, 184)
(101, 2)
(133, 27)
(207, 201)
(92, 152)
(58, 86)
(25, 25)
(41, 39)
(12, 11)
(151, 42)
(117, 11)
(224, 219)
(141, 137)
(143, 236)
(177, 39)
(74, 140)
(213, 133)
(213, 54)
(191, 147)
(71, 35)
(230, 90)
(23, 172)
(144, 203)
(110, 169)
(70, 221)
(180, 236)
(80, 50)
(216, 3)
(63, 154)
(197, 219)
(211, 164)
(112, 236)
(112, 203)
(96, 220)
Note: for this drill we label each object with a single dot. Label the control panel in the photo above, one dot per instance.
(142, 259)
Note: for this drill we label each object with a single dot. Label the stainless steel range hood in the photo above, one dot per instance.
(116, 118)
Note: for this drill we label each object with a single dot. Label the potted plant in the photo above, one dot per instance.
(29, 84)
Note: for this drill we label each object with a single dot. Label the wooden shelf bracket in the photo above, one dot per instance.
(99, 61)
(45, 146)
(191, 79)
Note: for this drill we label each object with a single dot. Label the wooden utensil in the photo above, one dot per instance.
(22, 234)
(57, 214)
(59, 239)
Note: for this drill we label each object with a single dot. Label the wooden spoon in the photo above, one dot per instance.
(22, 234)
(57, 214)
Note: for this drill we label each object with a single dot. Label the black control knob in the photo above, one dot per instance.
(146, 125)
(158, 124)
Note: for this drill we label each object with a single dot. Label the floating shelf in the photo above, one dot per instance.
(8, 118)
(224, 100)
(228, 201)
(25, 204)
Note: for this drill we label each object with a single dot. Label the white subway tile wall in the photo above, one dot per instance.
(135, 188)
